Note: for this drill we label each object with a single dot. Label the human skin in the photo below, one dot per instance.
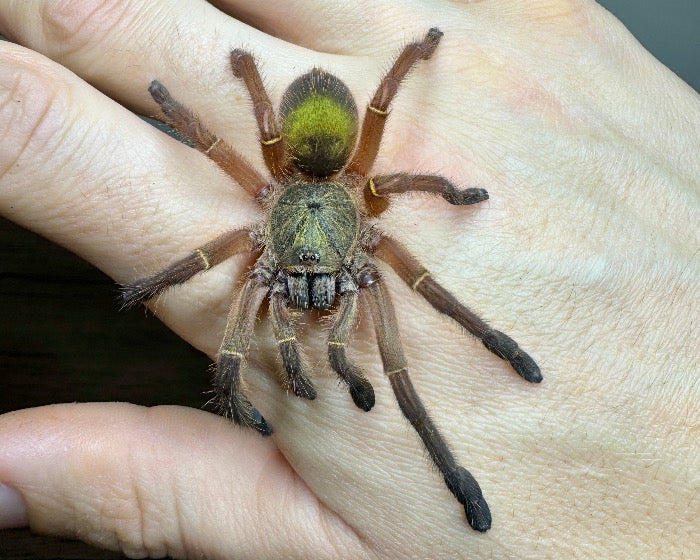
(586, 253)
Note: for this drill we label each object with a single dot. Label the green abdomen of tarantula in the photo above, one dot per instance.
(312, 227)
(319, 123)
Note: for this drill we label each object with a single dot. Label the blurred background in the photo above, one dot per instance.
(670, 30)
(63, 339)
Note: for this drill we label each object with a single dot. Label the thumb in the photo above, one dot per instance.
(160, 481)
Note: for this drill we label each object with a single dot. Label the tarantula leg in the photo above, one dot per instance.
(191, 128)
(229, 398)
(293, 359)
(380, 186)
(458, 479)
(411, 272)
(272, 145)
(208, 255)
(361, 389)
(378, 109)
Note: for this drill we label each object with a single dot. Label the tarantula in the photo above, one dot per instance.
(318, 246)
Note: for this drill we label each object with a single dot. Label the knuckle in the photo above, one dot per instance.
(70, 26)
(33, 105)
(555, 8)
(568, 16)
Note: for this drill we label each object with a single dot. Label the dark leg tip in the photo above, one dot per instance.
(158, 92)
(464, 197)
(526, 367)
(259, 423)
(363, 395)
(129, 296)
(139, 292)
(361, 389)
(478, 515)
(244, 415)
(431, 41)
(237, 56)
(467, 491)
(506, 348)
(434, 35)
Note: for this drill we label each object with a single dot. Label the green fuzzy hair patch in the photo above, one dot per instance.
(319, 123)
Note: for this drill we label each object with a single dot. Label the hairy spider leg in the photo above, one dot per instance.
(378, 109)
(229, 398)
(418, 278)
(208, 255)
(271, 142)
(189, 126)
(292, 357)
(361, 389)
(458, 479)
(381, 186)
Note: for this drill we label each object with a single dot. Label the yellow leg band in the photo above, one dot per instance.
(231, 353)
(210, 148)
(205, 260)
(420, 279)
(288, 339)
(372, 189)
(377, 111)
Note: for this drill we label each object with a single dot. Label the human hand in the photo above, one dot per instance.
(584, 253)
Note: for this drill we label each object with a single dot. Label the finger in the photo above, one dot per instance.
(358, 28)
(120, 46)
(162, 481)
(81, 170)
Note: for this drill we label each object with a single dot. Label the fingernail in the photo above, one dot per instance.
(13, 512)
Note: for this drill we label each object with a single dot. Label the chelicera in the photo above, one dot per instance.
(319, 243)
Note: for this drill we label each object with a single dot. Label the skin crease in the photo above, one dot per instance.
(586, 253)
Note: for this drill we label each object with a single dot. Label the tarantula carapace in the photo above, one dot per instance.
(318, 246)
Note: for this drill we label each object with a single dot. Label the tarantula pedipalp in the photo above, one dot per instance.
(318, 243)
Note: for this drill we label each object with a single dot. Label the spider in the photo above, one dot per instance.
(318, 244)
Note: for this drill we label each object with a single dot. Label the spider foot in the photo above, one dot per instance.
(159, 93)
(132, 295)
(244, 414)
(230, 401)
(361, 389)
(145, 289)
(506, 348)
(463, 197)
(362, 394)
(467, 491)
(238, 58)
(260, 424)
(431, 41)
(526, 367)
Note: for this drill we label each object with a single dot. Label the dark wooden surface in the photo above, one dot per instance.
(64, 340)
